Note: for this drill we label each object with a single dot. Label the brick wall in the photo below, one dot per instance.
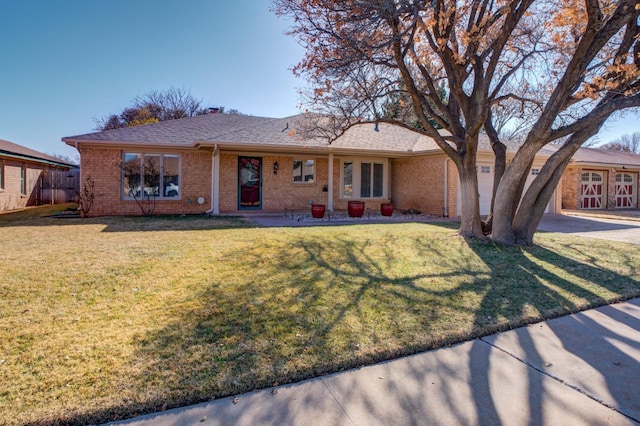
(609, 201)
(103, 165)
(571, 188)
(11, 197)
(452, 189)
(418, 183)
(279, 191)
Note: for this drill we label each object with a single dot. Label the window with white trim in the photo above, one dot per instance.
(535, 172)
(304, 170)
(23, 179)
(363, 179)
(150, 175)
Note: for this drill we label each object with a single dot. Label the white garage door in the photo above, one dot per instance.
(591, 190)
(532, 175)
(625, 190)
(485, 187)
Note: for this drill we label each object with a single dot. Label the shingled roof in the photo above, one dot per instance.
(181, 132)
(13, 150)
(251, 132)
(605, 157)
(258, 132)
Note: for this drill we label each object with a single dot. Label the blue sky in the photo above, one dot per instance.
(65, 62)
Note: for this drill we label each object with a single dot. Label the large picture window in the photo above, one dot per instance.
(151, 175)
(304, 170)
(364, 179)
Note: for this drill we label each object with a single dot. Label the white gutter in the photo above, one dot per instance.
(215, 182)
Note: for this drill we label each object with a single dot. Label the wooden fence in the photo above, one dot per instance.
(58, 186)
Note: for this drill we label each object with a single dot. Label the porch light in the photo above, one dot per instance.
(275, 168)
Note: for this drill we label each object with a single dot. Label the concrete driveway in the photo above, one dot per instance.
(627, 231)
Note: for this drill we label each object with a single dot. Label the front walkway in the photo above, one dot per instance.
(292, 218)
(570, 221)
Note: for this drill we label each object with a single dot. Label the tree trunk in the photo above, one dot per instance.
(470, 223)
(500, 152)
(537, 197)
(533, 206)
(508, 197)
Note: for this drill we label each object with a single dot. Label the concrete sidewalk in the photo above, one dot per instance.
(578, 369)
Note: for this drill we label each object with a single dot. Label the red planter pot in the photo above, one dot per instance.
(317, 210)
(386, 209)
(355, 208)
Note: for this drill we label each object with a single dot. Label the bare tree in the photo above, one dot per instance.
(570, 64)
(152, 107)
(170, 104)
(86, 196)
(625, 143)
(66, 159)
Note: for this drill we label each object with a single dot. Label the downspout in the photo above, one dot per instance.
(215, 182)
(445, 208)
(79, 173)
(79, 167)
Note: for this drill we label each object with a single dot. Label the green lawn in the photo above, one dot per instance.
(106, 318)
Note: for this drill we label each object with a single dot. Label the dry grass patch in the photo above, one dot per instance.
(106, 318)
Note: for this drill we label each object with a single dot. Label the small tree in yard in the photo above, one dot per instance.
(86, 196)
(559, 68)
(142, 183)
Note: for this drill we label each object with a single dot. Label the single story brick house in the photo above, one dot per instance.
(222, 164)
(31, 178)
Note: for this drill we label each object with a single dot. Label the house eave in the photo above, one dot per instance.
(7, 154)
(253, 147)
(292, 148)
(609, 166)
(121, 144)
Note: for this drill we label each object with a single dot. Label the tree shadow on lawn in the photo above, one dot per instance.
(547, 290)
(353, 303)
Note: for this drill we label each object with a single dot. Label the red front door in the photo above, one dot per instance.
(249, 183)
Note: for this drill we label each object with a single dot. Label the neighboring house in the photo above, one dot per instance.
(222, 163)
(30, 178)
